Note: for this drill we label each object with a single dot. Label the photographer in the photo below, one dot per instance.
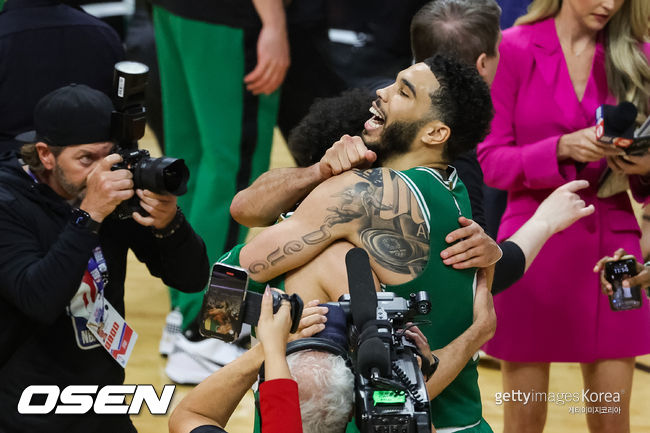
(61, 252)
(207, 408)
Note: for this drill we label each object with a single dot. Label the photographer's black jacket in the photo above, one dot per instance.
(42, 260)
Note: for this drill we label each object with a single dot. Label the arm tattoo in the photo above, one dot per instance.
(392, 229)
(389, 223)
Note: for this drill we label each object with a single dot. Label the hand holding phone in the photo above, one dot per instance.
(624, 297)
(227, 304)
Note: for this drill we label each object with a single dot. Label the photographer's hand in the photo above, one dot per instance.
(161, 208)
(105, 189)
(272, 331)
(414, 334)
(312, 321)
(475, 249)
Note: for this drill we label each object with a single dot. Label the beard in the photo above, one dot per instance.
(395, 139)
(77, 191)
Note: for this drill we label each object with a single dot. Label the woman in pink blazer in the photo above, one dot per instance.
(550, 81)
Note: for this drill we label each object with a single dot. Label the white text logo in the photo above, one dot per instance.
(80, 399)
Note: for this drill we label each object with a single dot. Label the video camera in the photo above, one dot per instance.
(160, 175)
(390, 389)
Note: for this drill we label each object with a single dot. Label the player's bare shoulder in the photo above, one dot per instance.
(388, 219)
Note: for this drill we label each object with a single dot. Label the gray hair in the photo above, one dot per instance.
(461, 29)
(326, 389)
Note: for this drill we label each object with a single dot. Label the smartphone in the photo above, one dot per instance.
(624, 298)
(221, 312)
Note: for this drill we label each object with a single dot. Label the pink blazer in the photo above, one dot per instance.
(534, 105)
(556, 311)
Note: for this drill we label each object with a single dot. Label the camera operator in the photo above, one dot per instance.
(61, 253)
(326, 385)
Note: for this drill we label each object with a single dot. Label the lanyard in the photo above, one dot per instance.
(29, 171)
(98, 270)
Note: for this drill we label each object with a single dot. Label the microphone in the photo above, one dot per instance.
(615, 124)
(373, 357)
(363, 297)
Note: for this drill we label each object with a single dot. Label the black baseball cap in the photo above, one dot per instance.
(71, 115)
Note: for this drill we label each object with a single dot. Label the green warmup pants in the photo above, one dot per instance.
(223, 132)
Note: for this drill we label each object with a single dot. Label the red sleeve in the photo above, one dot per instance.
(280, 407)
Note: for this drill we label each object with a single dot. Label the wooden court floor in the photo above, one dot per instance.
(147, 304)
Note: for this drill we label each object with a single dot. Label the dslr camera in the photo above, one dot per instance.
(160, 175)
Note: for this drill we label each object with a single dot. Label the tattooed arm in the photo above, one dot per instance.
(372, 209)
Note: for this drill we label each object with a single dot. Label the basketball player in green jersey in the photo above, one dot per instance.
(401, 213)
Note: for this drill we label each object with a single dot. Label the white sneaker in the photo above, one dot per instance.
(171, 331)
(192, 362)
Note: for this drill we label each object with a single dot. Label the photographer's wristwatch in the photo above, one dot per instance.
(81, 218)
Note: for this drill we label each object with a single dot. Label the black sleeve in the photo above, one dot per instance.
(179, 259)
(40, 285)
(208, 429)
(469, 171)
(510, 268)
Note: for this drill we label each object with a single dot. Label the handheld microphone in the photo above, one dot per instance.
(615, 124)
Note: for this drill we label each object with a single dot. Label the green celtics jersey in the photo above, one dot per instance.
(451, 291)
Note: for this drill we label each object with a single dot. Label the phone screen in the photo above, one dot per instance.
(221, 312)
(624, 298)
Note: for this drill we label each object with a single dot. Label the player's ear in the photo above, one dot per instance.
(435, 132)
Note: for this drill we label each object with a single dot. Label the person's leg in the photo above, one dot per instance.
(606, 382)
(181, 128)
(531, 379)
(235, 131)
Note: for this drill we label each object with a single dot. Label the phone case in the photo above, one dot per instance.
(221, 310)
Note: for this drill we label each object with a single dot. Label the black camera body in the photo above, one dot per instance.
(623, 298)
(160, 175)
(390, 389)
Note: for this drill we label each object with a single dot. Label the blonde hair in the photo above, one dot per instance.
(628, 74)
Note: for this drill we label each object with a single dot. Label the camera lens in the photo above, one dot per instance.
(161, 175)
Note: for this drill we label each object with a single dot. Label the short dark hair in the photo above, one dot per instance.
(319, 129)
(462, 102)
(463, 29)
